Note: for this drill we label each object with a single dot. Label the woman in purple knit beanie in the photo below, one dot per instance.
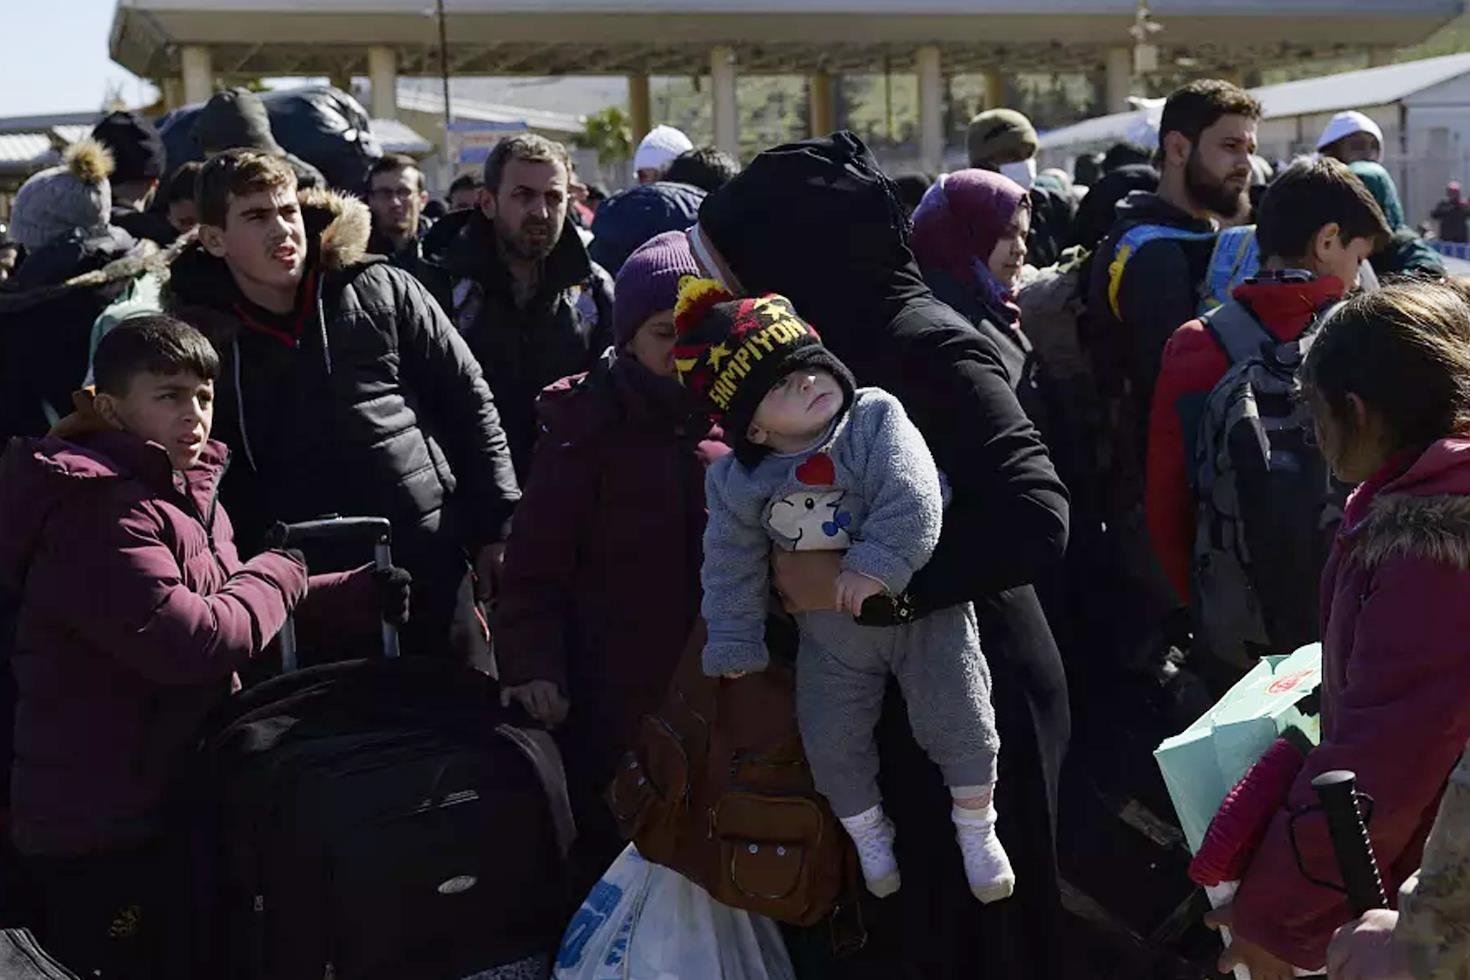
(601, 582)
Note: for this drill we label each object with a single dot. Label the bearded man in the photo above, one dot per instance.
(517, 283)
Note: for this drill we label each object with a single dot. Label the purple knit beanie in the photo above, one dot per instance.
(648, 283)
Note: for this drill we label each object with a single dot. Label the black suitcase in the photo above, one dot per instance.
(380, 819)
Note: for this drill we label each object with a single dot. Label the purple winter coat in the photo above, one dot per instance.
(1395, 693)
(601, 581)
(135, 610)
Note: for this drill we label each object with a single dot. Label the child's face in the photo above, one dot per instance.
(174, 410)
(653, 344)
(798, 407)
(264, 243)
(1355, 447)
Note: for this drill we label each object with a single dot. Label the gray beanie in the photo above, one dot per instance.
(55, 202)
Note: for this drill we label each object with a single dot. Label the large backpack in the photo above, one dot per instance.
(1268, 507)
(378, 820)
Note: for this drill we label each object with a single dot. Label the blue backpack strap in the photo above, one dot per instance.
(1237, 257)
(1128, 245)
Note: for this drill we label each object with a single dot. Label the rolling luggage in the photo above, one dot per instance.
(379, 819)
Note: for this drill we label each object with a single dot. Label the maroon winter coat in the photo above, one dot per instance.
(135, 610)
(1395, 693)
(601, 583)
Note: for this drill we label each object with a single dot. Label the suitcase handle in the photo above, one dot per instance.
(378, 529)
(1344, 808)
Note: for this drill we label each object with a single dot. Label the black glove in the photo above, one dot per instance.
(393, 585)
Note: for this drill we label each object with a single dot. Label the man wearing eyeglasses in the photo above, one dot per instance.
(396, 197)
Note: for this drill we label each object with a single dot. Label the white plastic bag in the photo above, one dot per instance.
(647, 922)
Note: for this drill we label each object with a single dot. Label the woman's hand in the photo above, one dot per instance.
(854, 589)
(1262, 964)
(806, 581)
(1364, 950)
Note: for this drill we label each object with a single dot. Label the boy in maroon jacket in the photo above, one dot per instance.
(134, 613)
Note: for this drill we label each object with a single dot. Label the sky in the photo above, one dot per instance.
(55, 58)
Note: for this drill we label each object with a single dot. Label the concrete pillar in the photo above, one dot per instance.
(726, 106)
(822, 94)
(1380, 56)
(383, 80)
(172, 91)
(198, 71)
(995, 88)
(640, 106)
(1119, 83)
(931, 108)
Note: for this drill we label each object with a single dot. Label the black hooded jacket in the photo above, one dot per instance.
(377, 408)
(833, 240)
(562, 331)
(46, 314)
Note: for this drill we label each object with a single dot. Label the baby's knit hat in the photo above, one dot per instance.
(731, 351)
(55, 202)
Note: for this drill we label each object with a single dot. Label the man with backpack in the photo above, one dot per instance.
(1146, 279)
(1261, 493)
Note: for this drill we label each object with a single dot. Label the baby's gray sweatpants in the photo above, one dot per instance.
(841, 672)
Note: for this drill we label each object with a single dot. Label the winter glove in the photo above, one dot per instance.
(393, 586)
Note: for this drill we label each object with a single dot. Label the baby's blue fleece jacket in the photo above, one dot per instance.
(871, 488)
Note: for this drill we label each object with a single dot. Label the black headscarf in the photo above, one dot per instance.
(818, 222)
(1096, 213)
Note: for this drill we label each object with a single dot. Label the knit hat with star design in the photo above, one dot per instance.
(731, 351)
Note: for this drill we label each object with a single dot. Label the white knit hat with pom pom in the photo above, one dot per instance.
(55, 202)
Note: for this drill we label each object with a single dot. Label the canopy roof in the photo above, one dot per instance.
(552, 37)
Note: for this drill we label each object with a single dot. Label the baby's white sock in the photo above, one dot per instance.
(872, 832)
(987, 867)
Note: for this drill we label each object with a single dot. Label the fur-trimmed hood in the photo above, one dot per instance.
(1422, 513)
(337, 232)
(142, 258)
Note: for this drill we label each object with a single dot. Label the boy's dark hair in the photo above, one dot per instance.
(596, 193)
(464, 182)
(524, 146)
(1405, 351)
(1310, 194)
(705, 167)
(183, 184)
(391, 162)
(238, 172)
(154, 344)
(1197, 106)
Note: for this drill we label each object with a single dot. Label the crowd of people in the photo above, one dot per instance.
(965, 450)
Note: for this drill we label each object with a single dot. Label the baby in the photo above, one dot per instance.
(819, 466)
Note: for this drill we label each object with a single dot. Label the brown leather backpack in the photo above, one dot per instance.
(718, 788)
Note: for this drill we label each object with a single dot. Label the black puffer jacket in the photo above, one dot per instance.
(562, 331)
(380, 408)
(818, 222)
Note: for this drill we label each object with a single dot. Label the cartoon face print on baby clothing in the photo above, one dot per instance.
(812, 518)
